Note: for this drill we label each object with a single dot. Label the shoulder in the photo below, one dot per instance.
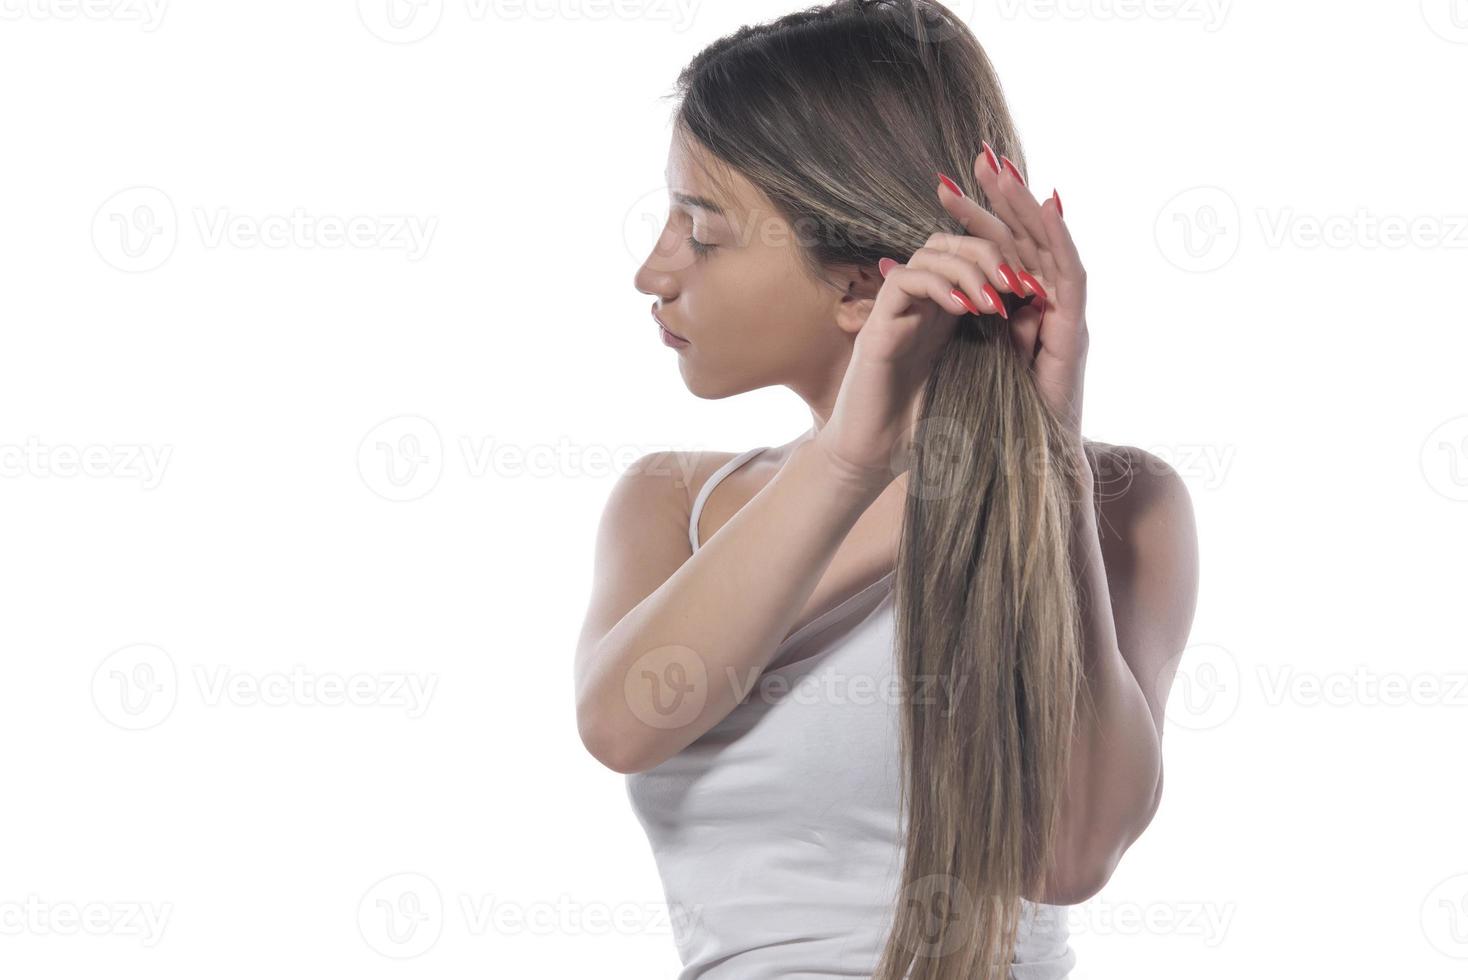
(1149, 544)
(674, 472)
(1132, 484)
(1148, 533)
(659, 487)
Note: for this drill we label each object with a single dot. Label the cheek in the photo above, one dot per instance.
(745, 298)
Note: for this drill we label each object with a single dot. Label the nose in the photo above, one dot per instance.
(657, 276)
(653, 283)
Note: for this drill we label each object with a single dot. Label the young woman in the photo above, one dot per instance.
(888, 696)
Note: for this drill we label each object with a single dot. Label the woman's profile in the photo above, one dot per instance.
(888, 696)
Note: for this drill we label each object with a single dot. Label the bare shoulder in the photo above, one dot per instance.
(1149, 545)
(1133, 485)
(642, 537)
(654, 494)
(663, 483)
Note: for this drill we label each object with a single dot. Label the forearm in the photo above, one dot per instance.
(1116, 753)
(684, 657)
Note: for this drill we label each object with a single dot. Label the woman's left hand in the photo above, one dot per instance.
(1050, 331)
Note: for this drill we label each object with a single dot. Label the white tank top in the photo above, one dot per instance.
(776, 832)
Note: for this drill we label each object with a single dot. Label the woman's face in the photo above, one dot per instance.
(750, 310)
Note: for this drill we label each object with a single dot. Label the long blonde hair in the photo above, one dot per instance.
(842, 114)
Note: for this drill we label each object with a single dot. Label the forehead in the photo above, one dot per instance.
(700, 182)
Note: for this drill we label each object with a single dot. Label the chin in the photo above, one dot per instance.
(713, 387)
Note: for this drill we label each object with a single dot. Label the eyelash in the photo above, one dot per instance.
(699, 248)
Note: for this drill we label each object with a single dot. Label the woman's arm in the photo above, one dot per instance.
(673, 642)
(1137, 556)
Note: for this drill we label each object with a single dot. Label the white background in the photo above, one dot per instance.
(1308, 386)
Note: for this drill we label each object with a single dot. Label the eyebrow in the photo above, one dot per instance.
(694, 201)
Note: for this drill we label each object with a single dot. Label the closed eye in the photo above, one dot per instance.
(700, 248)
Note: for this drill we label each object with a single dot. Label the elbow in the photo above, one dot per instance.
(1087, 882)
(1078, 881)
(612, 749)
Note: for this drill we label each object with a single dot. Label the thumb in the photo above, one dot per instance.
(1024, 330)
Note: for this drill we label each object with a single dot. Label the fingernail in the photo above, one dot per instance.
(993, 161)
(994, 298)
(1009, 165)
(885, 267)
(1011, 281)
(948, 183)
(1033, 284)
(968, 304)
(1058, 206)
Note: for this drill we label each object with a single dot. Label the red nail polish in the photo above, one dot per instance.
(885, 267)
(1009, 165)
(968, 304)
(994, 298)
(948, 183)
(1058, 206)
(992, 160)
(1011, 281)
(1033, 284)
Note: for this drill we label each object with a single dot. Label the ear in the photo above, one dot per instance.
(857, 291)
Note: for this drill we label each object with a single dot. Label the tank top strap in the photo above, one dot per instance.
(708, 488)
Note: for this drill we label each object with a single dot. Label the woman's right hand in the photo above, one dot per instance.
(868, 436)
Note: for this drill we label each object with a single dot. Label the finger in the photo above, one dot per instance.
(916, 285)
(1061, 266)
(1070, 273)
(983, 253)
(962, 274)
(980, 222)
(995, 186)
(1026, 214)
(1024, 331)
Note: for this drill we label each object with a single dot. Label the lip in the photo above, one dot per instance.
(669, 337)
